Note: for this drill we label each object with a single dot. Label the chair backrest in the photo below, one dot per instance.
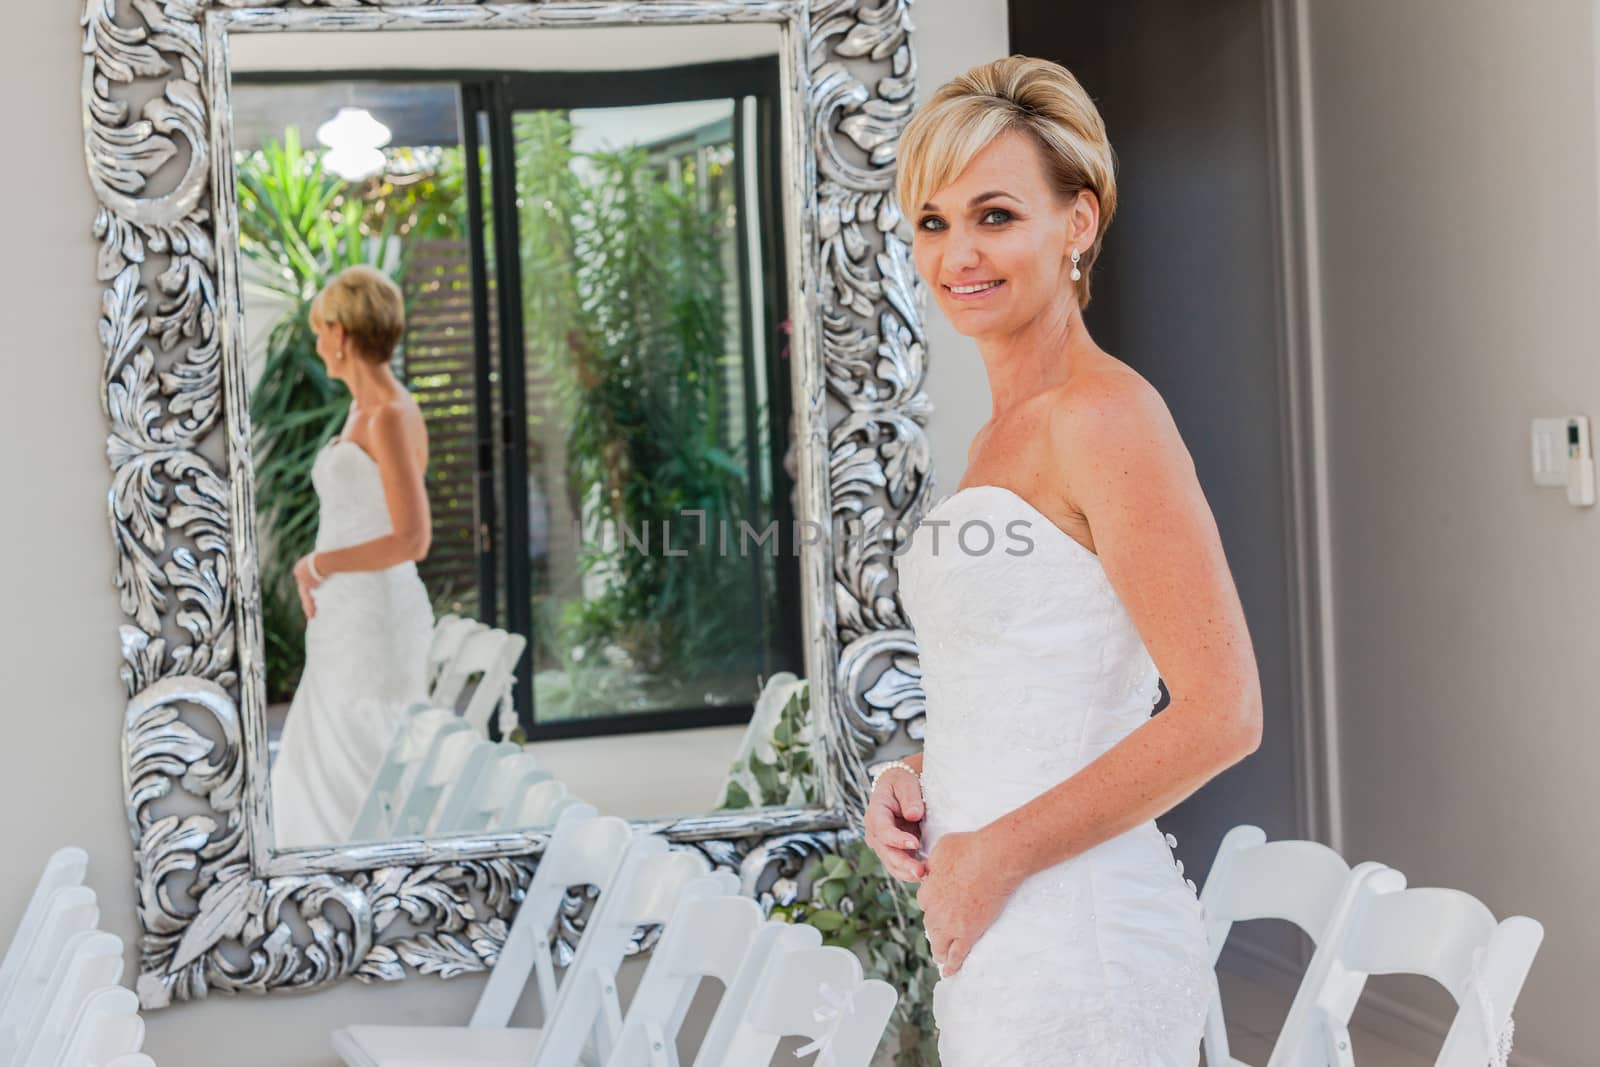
(409, 746)
(477, 653)
(68, 913)
(448, 634)
(502, 784)
(107, 1033)
(649, 884)
(464, 804)
(539, 802)
(454, 747)
(706, 937)
(493, 654)
(65, 868)
(92, 961)
(1302, 882)
(1439, 933)
(773, 937)
(819, 994)
(582, 849)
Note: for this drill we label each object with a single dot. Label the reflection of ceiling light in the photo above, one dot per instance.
(353, 138)
(353, 164)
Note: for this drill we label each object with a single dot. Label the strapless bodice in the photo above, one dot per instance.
(351, 504)
(1031, 667)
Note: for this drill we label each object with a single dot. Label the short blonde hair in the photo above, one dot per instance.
(368, 305)
(1034, 96)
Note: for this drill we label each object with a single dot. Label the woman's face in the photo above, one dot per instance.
(995, 245)
(330, 335)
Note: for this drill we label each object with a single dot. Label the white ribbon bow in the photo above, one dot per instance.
(834, 1008)
(1499, 1045)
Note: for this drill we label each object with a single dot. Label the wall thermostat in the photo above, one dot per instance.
(1563, 455)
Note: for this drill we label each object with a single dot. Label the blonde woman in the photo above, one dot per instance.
(1077, 564)
(368, 617)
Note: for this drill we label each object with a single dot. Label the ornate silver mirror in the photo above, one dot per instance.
(662, 341)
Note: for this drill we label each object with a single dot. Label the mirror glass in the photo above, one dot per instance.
(547, 512)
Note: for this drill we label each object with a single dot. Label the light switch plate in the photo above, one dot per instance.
(1550, 452)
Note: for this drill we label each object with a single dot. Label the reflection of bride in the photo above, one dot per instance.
(368, 618)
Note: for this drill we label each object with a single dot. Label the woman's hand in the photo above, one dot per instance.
(961, 897)
(894, 823)
(306, 581)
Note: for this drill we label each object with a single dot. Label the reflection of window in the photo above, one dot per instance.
(635, 378)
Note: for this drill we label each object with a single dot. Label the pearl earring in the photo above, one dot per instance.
(1076, 273)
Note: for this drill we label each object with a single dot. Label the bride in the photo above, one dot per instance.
(1078, 565)
(368, 617)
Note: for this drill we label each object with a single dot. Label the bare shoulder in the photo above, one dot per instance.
(1110, 411)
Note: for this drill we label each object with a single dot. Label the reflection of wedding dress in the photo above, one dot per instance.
(1032, 668)
(366, 647)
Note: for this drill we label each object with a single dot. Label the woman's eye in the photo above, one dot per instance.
(996, 216)
(931, 222)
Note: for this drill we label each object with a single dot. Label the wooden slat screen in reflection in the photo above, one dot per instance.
(438, 371)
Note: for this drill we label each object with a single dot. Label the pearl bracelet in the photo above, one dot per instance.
(311, 565)
(880, 771)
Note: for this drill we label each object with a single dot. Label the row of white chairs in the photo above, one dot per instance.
(440, 776)
(778, 980)
(464, 650)
(1364, 921)
(60, 1001)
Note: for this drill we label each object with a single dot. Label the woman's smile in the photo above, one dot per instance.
(974, 290)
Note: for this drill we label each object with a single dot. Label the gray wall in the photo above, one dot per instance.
(1456, 146)
(1185, 293)
(60, 766)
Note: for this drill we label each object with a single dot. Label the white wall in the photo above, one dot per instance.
(60, 768)
(1456, 148)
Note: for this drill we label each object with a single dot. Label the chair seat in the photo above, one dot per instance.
(435, 1046)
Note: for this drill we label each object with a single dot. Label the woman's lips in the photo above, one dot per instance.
(973, 290)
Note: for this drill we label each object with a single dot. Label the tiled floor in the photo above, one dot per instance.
(1255, 1012)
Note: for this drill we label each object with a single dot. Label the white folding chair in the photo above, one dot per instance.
(69, 912)
(492, 656)
(455, 752)
(1302, 882)
(448, 633)
(1443, 934)
(65, 868)
(707, 937)
(464, 802)
(107, 1032)
(819, 994)
(509, 774)
(773, 937)
(410, 745)
(588, 1015)
(91, 962)
(540, 803)
(583, 849)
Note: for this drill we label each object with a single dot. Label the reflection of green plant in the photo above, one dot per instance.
(300, 226)
(854, 901)
(624, 306)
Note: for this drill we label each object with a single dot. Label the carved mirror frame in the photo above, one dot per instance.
(220, 908)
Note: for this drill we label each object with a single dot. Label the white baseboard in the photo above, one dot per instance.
(1388, 1018)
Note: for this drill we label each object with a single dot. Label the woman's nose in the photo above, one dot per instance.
(962, 250)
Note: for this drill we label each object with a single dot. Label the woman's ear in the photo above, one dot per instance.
(1085, 218)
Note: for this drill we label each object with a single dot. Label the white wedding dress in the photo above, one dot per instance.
(366, 650)
(1031, 668)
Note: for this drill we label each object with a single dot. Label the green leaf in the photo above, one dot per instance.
(826, 920)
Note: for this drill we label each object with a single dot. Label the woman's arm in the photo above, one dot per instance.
(410, 521)
(1128, 471)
